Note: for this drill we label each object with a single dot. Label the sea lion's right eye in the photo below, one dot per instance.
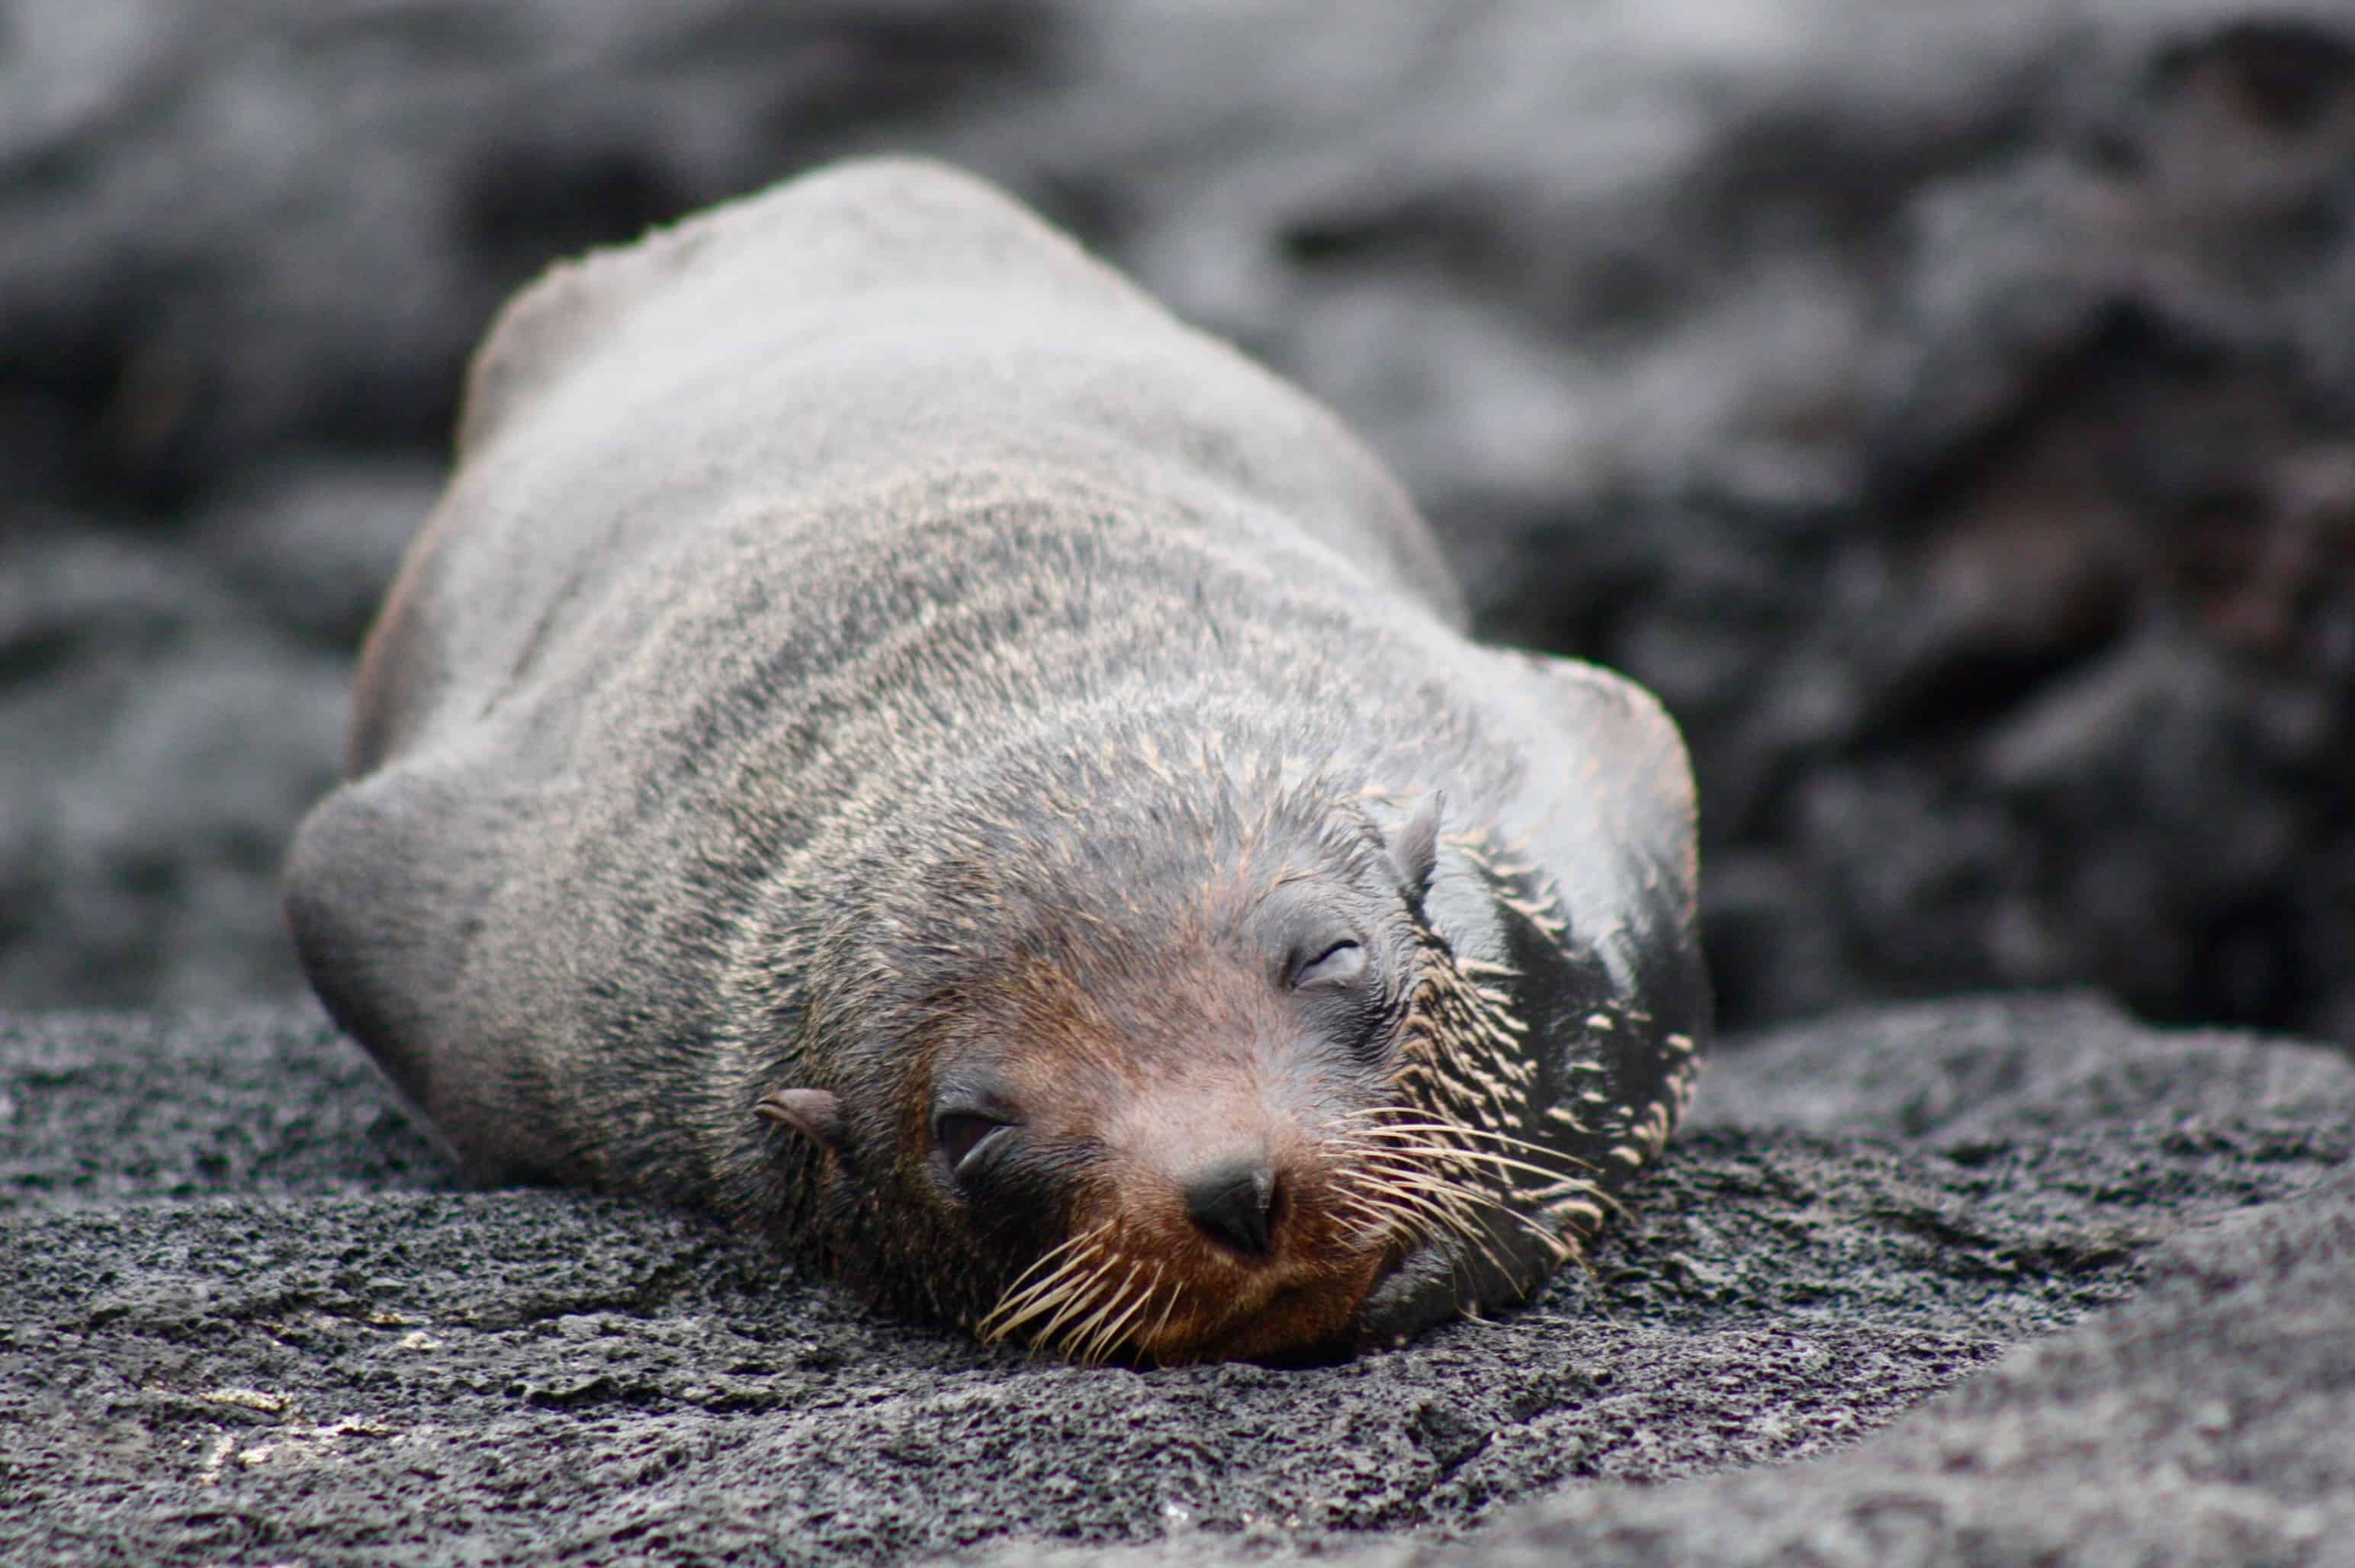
(1338, 964)
(960, 1133)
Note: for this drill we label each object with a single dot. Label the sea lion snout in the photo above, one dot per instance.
(1233, 1202)
(1228, 1181)
(1209, 1203)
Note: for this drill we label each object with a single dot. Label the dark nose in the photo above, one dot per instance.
(1232, 1202)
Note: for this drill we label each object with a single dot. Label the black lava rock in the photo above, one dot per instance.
(1950, 409)
(2018, 1280)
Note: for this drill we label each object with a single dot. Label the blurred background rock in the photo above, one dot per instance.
(1949, 408)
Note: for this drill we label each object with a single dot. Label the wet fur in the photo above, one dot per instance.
(857, 584)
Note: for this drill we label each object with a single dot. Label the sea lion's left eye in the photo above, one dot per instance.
(1338, 964)
(960, 1133)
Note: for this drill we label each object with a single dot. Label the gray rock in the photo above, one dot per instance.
(158, 737)
(1976, 1283)
(1949, 409)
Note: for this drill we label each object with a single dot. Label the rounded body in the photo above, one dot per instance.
(867, 742)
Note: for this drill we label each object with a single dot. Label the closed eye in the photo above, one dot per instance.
(1338, 964)
(961, 1134)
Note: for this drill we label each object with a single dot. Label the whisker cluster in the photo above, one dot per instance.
(1418, 1178)
(1084, 1302)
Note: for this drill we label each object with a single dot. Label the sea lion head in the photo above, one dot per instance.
(1148, 1078)
(1135, 1077)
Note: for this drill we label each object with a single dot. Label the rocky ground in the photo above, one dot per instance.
(1950, 409)
(1992, 1281)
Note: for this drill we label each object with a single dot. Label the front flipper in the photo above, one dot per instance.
(1567, 1044)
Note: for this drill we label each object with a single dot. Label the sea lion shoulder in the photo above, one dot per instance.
(1632, 763)
(1607, 803)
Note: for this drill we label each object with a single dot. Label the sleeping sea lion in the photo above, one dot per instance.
(890, 736)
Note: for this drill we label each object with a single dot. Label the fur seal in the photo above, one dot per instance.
(890, 736)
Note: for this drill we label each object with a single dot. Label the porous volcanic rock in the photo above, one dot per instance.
(1983, 1281)
(1949, 408)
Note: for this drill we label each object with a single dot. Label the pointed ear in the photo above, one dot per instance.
(812, 1113)
(1414, 845)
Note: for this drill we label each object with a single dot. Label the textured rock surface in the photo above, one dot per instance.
(1949, 408)
(2006, 1276)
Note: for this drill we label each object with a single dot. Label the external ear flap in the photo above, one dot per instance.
(1415, 847)
(812, 1113)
